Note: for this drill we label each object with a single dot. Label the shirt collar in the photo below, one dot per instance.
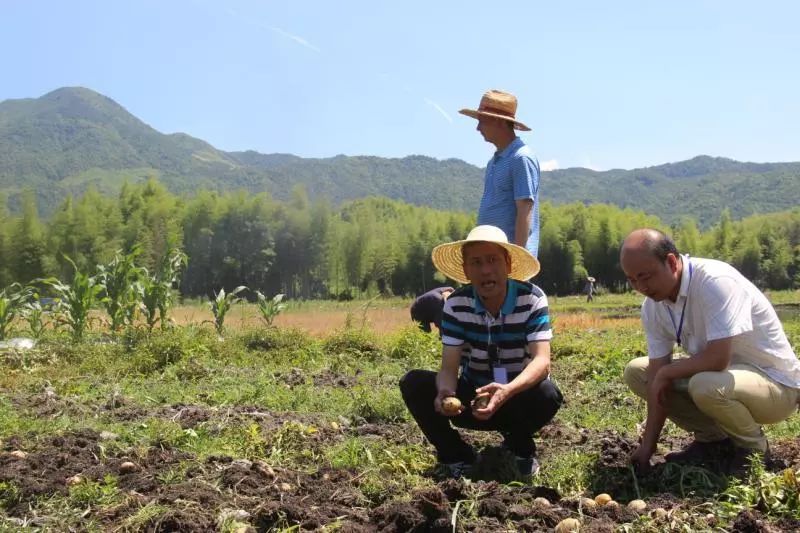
(685, 277)
(508, 304)
(515, 144)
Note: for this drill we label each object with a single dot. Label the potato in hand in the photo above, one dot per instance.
(451, 406)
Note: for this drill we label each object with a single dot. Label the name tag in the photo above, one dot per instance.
(500, 375)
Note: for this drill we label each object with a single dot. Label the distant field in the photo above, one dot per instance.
(388, 315)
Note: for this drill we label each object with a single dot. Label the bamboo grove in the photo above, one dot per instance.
(307, 249)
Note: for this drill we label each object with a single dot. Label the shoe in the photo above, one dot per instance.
(527, 466)
(740, 459)
(698, 452)
(457, 470)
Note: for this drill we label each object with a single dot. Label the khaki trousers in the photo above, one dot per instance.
(714, 405)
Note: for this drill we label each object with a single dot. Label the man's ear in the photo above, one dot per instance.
(672, 262)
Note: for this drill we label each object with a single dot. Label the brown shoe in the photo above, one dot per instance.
(739, 459)
(699, 452)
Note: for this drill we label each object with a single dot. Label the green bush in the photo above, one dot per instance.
(153, 351)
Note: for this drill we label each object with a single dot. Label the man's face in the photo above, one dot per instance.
(648, 275)
(486, 266)
(491, 128)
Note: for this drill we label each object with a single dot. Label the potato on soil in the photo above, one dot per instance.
(568, 524)
(451, 405)
(588, 503)
(638, 506)
(602, 499)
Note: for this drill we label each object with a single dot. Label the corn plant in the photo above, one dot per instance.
(120, 282)
(12, 301)
(34, 315)
(75, 300)
(221, 304)
(156, 291)
(270, 307)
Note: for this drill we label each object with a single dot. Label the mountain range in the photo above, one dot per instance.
(73, 138)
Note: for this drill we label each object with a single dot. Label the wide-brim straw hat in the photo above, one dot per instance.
(497, 104)
(449, 260)
(591, 279)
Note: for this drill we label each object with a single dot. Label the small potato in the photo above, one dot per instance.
(611, 504)
(542, 502)
(451, 405)
(19, 454)
(567, 525)
(481, 400)
(602, 499)
(659, 513)
(638, 506)
(74, 480)
(127, 467)
(588, 503)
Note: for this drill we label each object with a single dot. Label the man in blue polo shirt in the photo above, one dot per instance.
(496, 330)
(510, 198)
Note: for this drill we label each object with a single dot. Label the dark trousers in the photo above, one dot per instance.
(518, 419)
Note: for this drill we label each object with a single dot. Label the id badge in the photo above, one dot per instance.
(500, 375)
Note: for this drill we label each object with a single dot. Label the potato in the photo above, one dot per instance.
(588, 503)
(568, 524)
(659, 513)
(127, 467)
(481, 400)
(451, 405)
(602, 499)
(638, 506)
(74, 480)
(542, 502)
(19, 454)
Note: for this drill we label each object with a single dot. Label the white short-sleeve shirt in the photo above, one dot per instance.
(721, 303)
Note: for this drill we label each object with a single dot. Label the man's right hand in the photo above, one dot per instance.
(437, 403)
(640, 459)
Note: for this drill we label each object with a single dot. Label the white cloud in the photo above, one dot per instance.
(295, 38)
(438, 108)
(549, 165)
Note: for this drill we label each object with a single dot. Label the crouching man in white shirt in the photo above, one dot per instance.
(741, 371)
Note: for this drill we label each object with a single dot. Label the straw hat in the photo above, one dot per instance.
(497, 104)
(448, 260)
(590, 279)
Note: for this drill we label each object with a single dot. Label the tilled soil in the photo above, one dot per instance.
(200, 494)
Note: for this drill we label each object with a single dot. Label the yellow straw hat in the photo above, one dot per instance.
(497, 104)
(448, 258)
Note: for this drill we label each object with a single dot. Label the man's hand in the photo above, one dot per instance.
(640, 459)
(437, 403)
(660, 388)
(498, 395)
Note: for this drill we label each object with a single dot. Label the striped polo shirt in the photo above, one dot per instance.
(523, 318)
(511, 175)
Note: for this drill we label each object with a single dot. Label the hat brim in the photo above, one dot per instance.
(449, 260)
(474, 113)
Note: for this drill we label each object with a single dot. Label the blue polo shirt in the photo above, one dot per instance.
(523, 318)
(511, 175)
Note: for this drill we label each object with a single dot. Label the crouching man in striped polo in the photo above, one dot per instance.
(496, 344)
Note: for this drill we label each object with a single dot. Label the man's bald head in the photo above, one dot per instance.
(651, 264)
(651, 242)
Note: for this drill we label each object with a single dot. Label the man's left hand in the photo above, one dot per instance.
(499, 394)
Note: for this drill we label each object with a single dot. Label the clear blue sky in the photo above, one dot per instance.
(602, 84)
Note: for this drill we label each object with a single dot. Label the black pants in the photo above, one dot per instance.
(518, 419)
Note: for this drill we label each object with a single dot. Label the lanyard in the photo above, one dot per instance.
(679, 327)
(492, 348)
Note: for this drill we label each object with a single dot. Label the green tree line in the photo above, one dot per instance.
(374, 245)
